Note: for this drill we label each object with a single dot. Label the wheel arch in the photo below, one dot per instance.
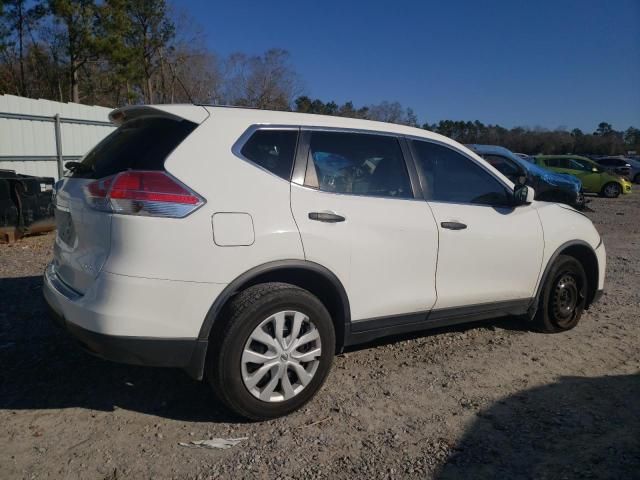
(586, 255)
(311, 276)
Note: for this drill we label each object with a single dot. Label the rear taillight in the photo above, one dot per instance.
(155, 194)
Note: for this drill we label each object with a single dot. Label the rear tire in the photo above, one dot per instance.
(636, 179)
(611, 190)
(286, 374)
(563, 297)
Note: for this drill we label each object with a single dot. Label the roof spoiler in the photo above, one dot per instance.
(193, 113)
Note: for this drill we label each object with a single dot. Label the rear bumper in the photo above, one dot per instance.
(77, 314)
(152, 352)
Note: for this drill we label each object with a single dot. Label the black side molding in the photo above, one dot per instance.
(533, 308)
(246, 277)
(362, 331)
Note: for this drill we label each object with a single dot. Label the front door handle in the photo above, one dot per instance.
(326, 217)
(453, 225)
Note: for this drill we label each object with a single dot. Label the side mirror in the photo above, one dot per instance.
(522, 195)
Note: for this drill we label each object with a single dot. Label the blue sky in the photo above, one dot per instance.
(532, 63)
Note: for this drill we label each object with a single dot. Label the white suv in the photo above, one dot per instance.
(250, 246)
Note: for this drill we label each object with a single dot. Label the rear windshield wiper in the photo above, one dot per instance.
(78, 167)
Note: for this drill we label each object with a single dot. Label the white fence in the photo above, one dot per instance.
(38, 136)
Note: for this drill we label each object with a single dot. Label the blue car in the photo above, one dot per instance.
(549, 186)
(635, 169)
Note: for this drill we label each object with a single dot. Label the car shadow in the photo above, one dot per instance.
(575, 428)
(44, 368)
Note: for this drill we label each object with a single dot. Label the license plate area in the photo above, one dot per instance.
(64, 224)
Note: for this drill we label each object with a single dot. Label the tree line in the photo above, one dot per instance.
(118, 52)
(603, 141)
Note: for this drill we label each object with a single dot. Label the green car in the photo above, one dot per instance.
(594, 178)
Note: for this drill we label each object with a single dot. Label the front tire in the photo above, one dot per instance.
(273, 352)
(580, 201)
(611, 190)
(563, 297)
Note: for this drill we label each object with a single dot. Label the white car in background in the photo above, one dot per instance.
(248, 246)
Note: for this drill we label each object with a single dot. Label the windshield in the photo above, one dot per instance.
(531, 169)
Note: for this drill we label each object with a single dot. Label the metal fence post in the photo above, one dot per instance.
(58, 145)
(59, 157)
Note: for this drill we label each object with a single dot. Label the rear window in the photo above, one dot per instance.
(139, 144)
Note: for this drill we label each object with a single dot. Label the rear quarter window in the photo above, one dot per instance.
(272, 150)
(139, 144)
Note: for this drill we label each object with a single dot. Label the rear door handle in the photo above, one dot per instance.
(326, 217)
(453, 225)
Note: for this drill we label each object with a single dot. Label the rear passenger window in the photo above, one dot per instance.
(357, 163)
(273, 150)
(452, 177)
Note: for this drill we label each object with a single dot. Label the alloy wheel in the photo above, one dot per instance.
(281, 356)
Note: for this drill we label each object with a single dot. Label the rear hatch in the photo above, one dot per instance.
(144, 139)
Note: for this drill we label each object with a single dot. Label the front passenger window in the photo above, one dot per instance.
(575, 164)
(452, 177)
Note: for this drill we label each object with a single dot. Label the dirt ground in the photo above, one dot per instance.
(488, 400)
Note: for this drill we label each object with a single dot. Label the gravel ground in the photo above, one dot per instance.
(488, 400)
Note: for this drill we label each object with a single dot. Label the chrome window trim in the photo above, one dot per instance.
(239, 144)
(301, 129)
(362, 131)
(360, 195)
